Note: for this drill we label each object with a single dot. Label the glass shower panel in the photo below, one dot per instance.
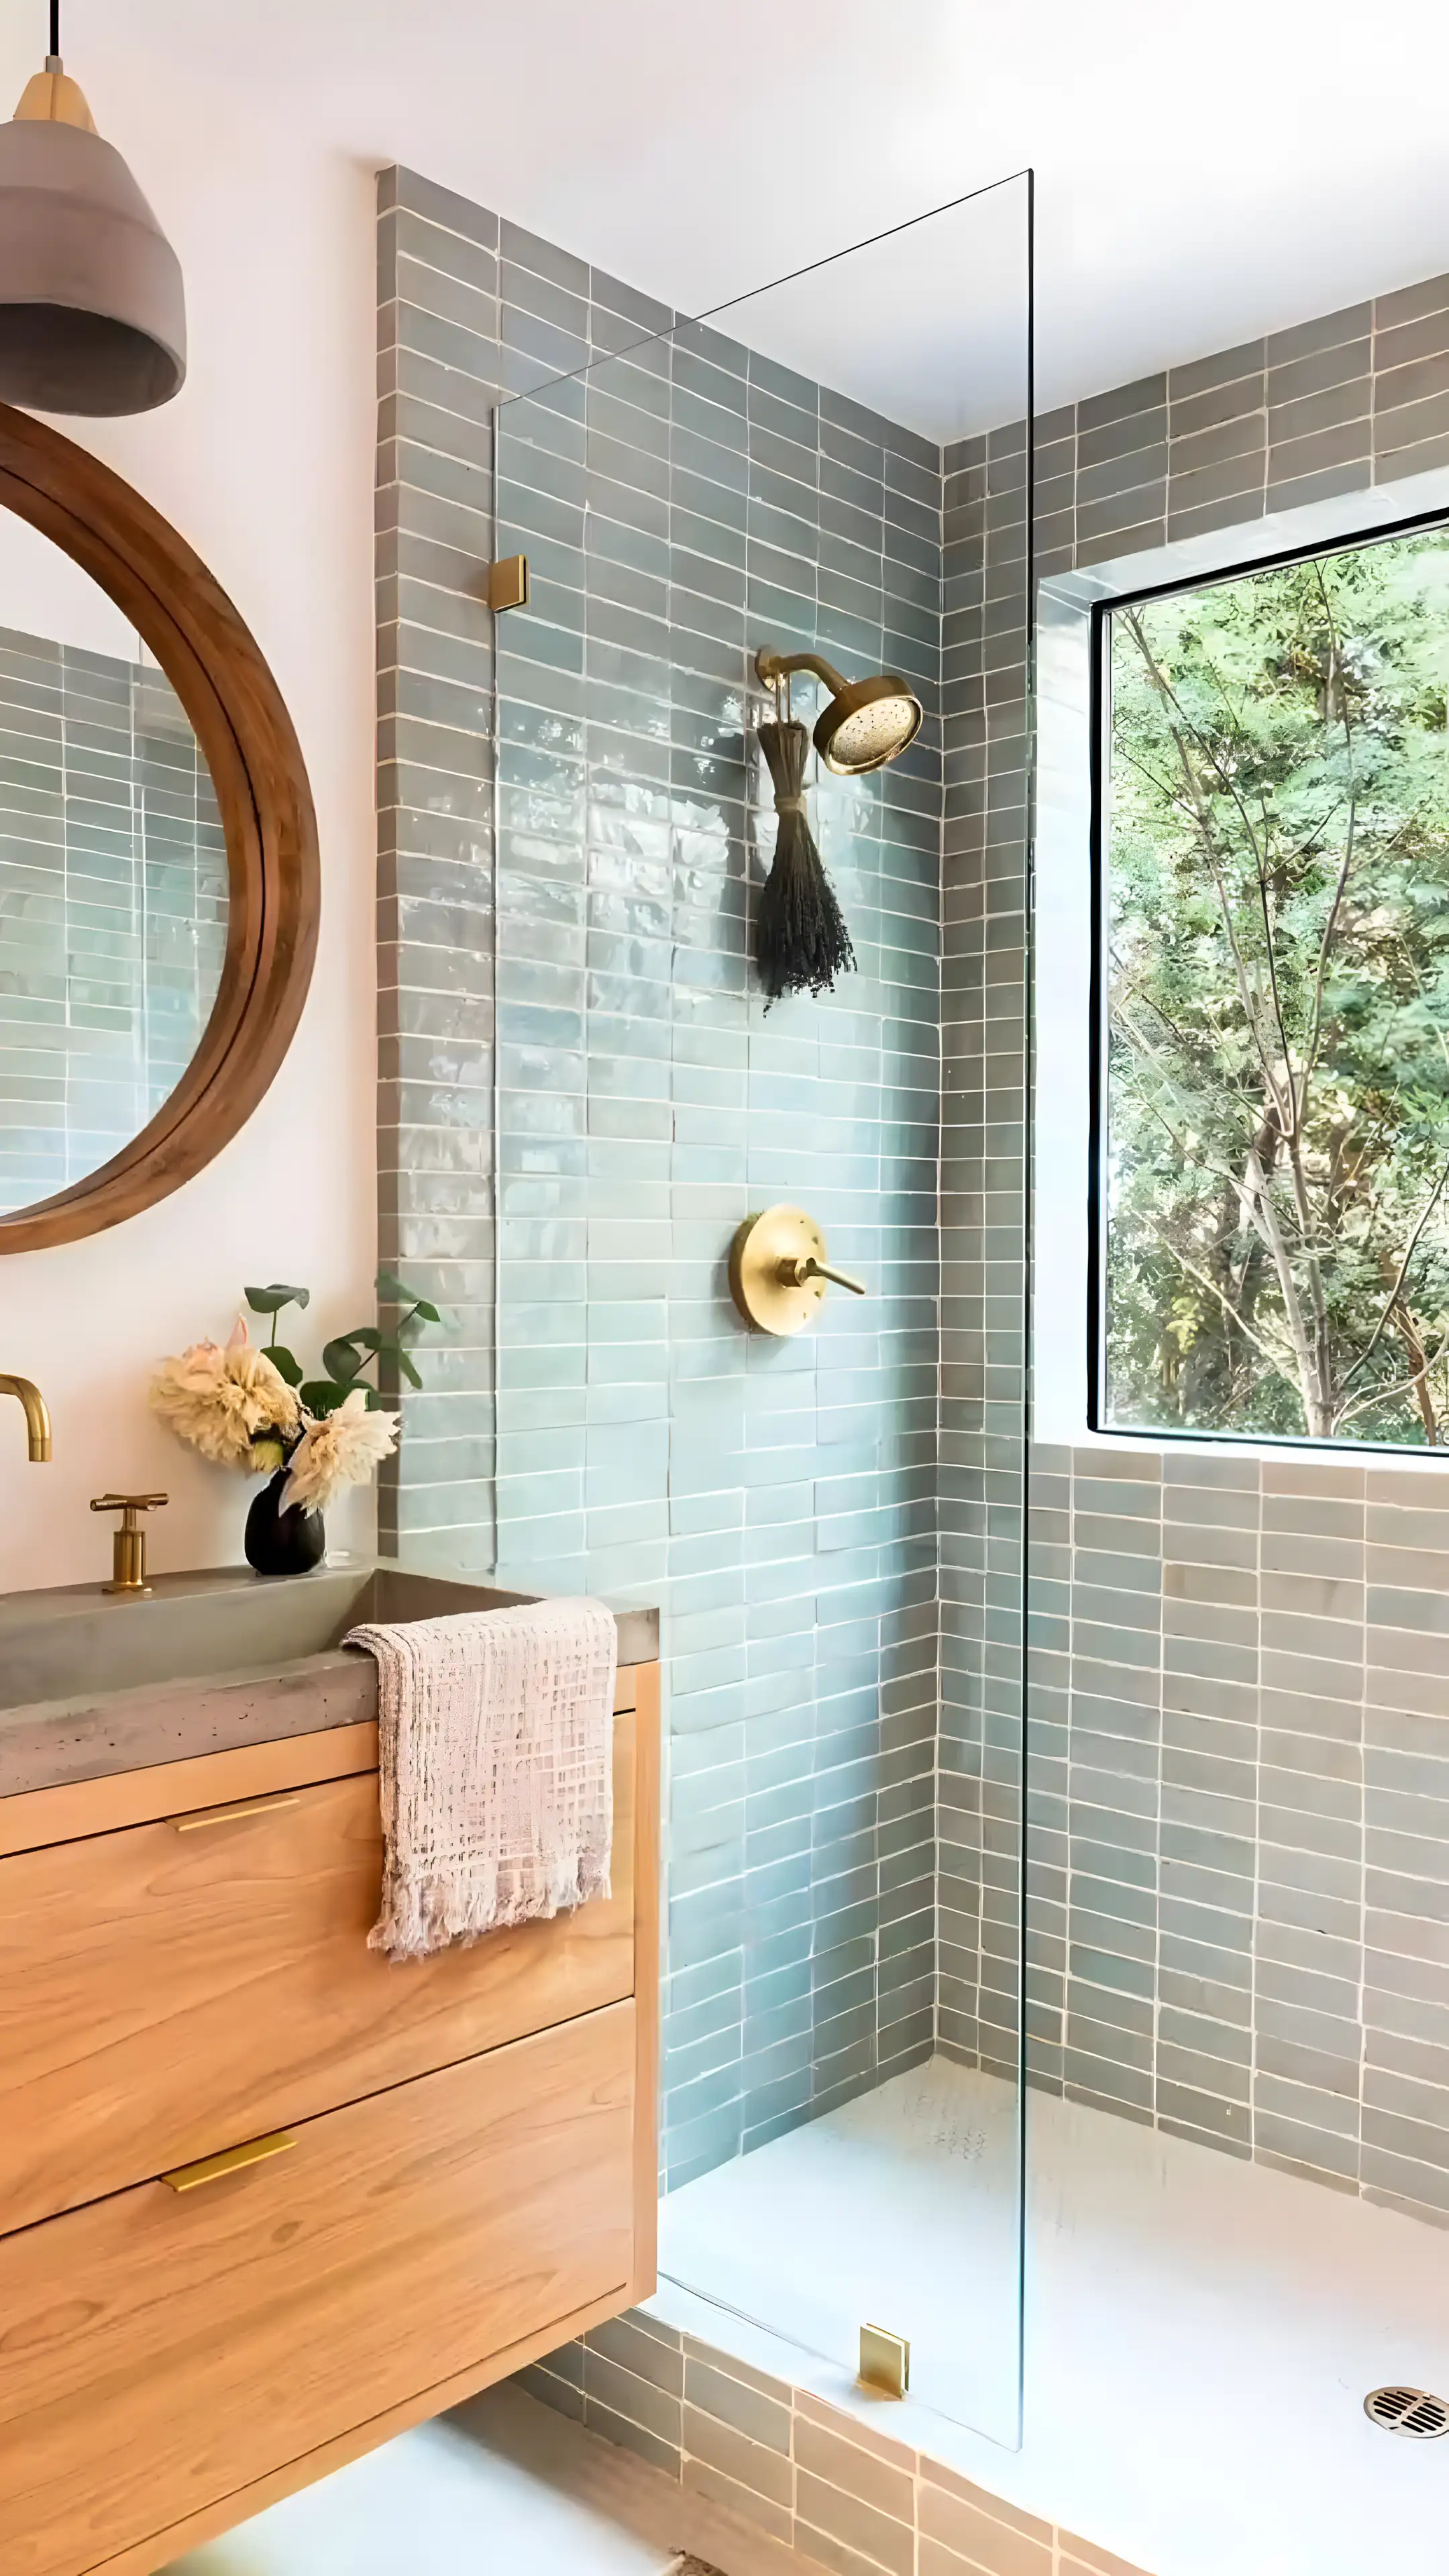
(831, 1522)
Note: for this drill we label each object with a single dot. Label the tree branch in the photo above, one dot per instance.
(1398, 1287)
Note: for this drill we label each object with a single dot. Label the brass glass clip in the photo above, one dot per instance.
(885, 2361)
(508, 583)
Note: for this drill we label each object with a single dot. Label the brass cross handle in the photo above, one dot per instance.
(128, 1556)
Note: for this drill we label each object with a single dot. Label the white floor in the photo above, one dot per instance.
(1200, 2333)
(507, 2488)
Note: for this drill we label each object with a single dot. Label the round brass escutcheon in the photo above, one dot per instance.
(778, 1270)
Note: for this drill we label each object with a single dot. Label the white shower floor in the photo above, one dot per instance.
(897, 2211)
(1200, 2333)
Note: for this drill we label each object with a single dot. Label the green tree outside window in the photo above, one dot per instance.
(1277, 1131)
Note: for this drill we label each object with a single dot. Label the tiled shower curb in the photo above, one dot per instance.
(808, 2475)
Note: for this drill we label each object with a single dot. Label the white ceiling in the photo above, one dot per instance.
(1204, 173)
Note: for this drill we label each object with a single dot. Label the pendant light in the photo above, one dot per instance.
(92, 310)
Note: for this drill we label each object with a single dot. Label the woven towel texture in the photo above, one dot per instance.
(495, 1763)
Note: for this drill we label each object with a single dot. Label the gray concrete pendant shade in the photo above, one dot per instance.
(92, 309)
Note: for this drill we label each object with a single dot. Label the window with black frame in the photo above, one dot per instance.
(1271, 1112)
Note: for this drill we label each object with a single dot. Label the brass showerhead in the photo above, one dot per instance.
(866, 724)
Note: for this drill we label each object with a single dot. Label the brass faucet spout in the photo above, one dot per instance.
(37, 1417)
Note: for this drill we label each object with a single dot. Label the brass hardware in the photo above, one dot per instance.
(53, 98)
(37, 1418)
(885, 2361)
(805, 1267)
(233, 1815)
(128, 1555)
(778, 1270)
(231, 2160)
(866, 724)
(508, 583)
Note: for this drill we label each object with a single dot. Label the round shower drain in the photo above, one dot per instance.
(1411, 2411)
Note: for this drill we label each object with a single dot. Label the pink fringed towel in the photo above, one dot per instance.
(495, 1761)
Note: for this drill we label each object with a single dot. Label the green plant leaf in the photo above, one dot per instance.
(270, 1301)
(412, 1375)
(392, 1290)
(345, 1357)
(284, 1363)
(322, 1395)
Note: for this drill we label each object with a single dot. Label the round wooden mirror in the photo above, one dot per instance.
(159, 881)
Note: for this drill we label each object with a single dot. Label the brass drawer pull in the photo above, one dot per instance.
(198, 1823)
(231, 2160)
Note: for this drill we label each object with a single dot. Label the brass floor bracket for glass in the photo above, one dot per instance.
(885, 2361)
(508, 583)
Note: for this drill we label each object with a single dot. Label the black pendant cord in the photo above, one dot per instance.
(55, 30)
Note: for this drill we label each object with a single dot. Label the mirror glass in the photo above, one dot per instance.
(113, 876)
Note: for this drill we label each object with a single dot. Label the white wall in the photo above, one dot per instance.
(265, 463)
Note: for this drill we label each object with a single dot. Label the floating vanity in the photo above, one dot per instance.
(266, 2199)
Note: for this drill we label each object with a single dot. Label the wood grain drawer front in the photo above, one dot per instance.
(161, 2350)
(167, 1992)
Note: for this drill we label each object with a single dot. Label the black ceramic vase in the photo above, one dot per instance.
(279, 1542)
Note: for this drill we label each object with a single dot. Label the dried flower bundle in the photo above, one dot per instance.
(227, 1402)
(342, 1449)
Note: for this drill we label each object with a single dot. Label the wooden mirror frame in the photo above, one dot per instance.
(246, 737)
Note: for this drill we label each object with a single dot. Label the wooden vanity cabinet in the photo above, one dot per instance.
(453, 2160)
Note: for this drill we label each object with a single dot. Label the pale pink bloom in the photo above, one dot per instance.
(343, 1448)
(216, 1399)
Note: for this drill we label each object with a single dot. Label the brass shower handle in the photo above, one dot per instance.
(797, 1268)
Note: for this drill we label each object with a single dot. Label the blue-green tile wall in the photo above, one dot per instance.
(114, 905)
(680, 505)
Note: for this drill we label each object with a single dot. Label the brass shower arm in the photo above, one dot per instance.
(863, 725)
(772, 667)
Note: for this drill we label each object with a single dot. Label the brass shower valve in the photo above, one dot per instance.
(778, 1271)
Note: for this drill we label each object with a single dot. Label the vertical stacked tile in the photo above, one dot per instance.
(682, 500)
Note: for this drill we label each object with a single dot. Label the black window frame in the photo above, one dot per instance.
(1100, 726)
